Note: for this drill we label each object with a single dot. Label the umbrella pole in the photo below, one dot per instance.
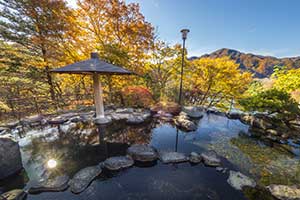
(98, 95)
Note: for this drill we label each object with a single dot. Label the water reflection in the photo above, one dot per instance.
(79, 145)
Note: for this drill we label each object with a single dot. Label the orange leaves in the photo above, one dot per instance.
(137, 96)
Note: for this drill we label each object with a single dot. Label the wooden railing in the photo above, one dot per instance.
(22, 107)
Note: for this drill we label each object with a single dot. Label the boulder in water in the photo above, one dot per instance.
(195, 158)
(83, 178)
(185, 123)
(285, 192)
(210, 158)
(238, 180)
(10, 157)
(16, 194)
(142, 153)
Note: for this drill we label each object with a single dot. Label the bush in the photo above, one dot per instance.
(272, 101)
(137, 96)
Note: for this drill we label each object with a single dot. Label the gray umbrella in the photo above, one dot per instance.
(95, 67)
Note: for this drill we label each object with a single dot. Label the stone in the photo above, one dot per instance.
(16, 194)
(34, 120)
(10, 157)
(103, 120)
(57, 120)
(195, 158)
(238, 180)
(193, 112)
(83, 178)
(183, 121)
(11, 124)
(143, 153)
(65, 128)
(210, 158)
(135, 119)
(172, 157)
(118, 162)
(285, 192)
(59, 183)
(125, 110)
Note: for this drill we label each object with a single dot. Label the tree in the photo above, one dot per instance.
(38, 26)
(120, 33)
(214, 80)
(162, 67)
(287, 80)
(272, 101)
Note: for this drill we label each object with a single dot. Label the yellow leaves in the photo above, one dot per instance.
(220, 75)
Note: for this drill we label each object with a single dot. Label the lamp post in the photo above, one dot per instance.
(184, 33)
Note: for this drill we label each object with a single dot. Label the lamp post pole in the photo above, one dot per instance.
(184, 36)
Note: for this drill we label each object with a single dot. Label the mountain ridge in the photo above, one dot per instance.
(261, 66)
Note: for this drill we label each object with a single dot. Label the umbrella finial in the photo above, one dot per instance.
(95, 55)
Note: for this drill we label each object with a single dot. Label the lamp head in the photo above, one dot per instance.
(184, 33)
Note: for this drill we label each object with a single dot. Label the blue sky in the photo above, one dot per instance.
(267, 27)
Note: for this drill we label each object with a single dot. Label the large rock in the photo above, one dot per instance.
(16, 194)
(57, 120)
(183, 121)
(172, 157)
(195, 158)
(193, 112)
(10, 157)
(285, 192)
(118, 162)
(142, 153)
(57, 184)
(210, 158)
(238, 180)
(83, 178)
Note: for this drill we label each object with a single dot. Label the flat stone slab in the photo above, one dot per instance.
(57, 120)
(142, 153)
(118, 162)
(59, 183)
(211, 159)
(172, 157)
(16, 194)
(238, 180)
(285, 192)
(135, 119)
(83, 178)
(195, 158)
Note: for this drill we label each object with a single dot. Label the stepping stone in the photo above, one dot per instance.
(60, 183)
(238, 180)
(83, 178)
(172, 157)
(211, 159)
(142, 153)
(195, 158)
(118, 162)
(285, 192)
(16, 194)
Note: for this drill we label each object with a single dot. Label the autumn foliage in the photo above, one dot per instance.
(137, 96)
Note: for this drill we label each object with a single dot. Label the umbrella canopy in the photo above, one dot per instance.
(91, 66)
(94, 66)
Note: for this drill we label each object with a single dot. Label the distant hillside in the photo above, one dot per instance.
(261, 66)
